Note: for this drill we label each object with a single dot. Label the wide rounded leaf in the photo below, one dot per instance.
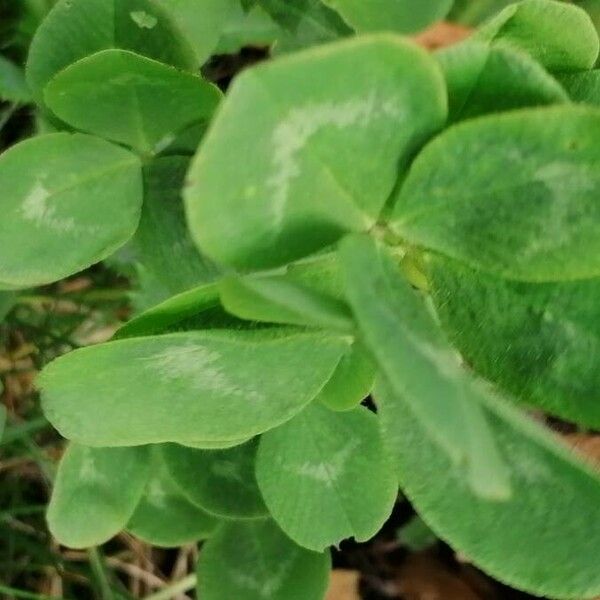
(256, 561)
(559, 35)
(484, 78)
(404, 16)
(222, 482)
(327, 476)
(164, 516)
(542, 538)
(513, 194)
(130, 99)
(539, 341)
(200, 385)
(310, 146)
(583, 87)
(68, 201)
(75, 29)
(95, 492)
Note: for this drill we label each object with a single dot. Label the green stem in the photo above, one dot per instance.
(15, 432)
(179, 587)
(27, 595)
(97, 564)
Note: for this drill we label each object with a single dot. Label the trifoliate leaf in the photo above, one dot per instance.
(277, 176)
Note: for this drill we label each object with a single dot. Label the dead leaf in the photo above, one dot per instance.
(343, 585)
(423, 577)
(442, 35)
(585, 444)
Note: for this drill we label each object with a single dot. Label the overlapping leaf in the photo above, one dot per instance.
(164, 517)
(583, 87)
(95, 493)
(514, 194)
(256, 561)
(75, 29)
(222, 482)
(559, 35)
(540, 341)
(422, 368)
(278, 299)
(202, 22)
(127, 98)
(484, 78)
(200, 386)
(311, 472)
(352, 381)
(405, 16)
(277, 178)
(541, 538)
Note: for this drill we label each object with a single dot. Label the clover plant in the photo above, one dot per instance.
(355, 217)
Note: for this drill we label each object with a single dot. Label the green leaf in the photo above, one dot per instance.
(164, 517)
(201, 307)
(304, 23)
(277, 176)
(202, 22)
(7, 301)
(352, 381)
(484, 78)
(75, 29)
(583, 87)
(95, 493)
(422, 368)
(319, 461)
(221, 482)
(319, 272)
(404, 16)
(539, 341)
(513, 194)
(253, 27)
(197, 301)
(561, 36)
(2, 415)
(277, 299)
(473, 12)
(209, 386)
(167, 261)
(218, 445)
(68, 202)
(130, 99)
(416, 535)
(13, 87)
(538, 539)
(256, 561)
